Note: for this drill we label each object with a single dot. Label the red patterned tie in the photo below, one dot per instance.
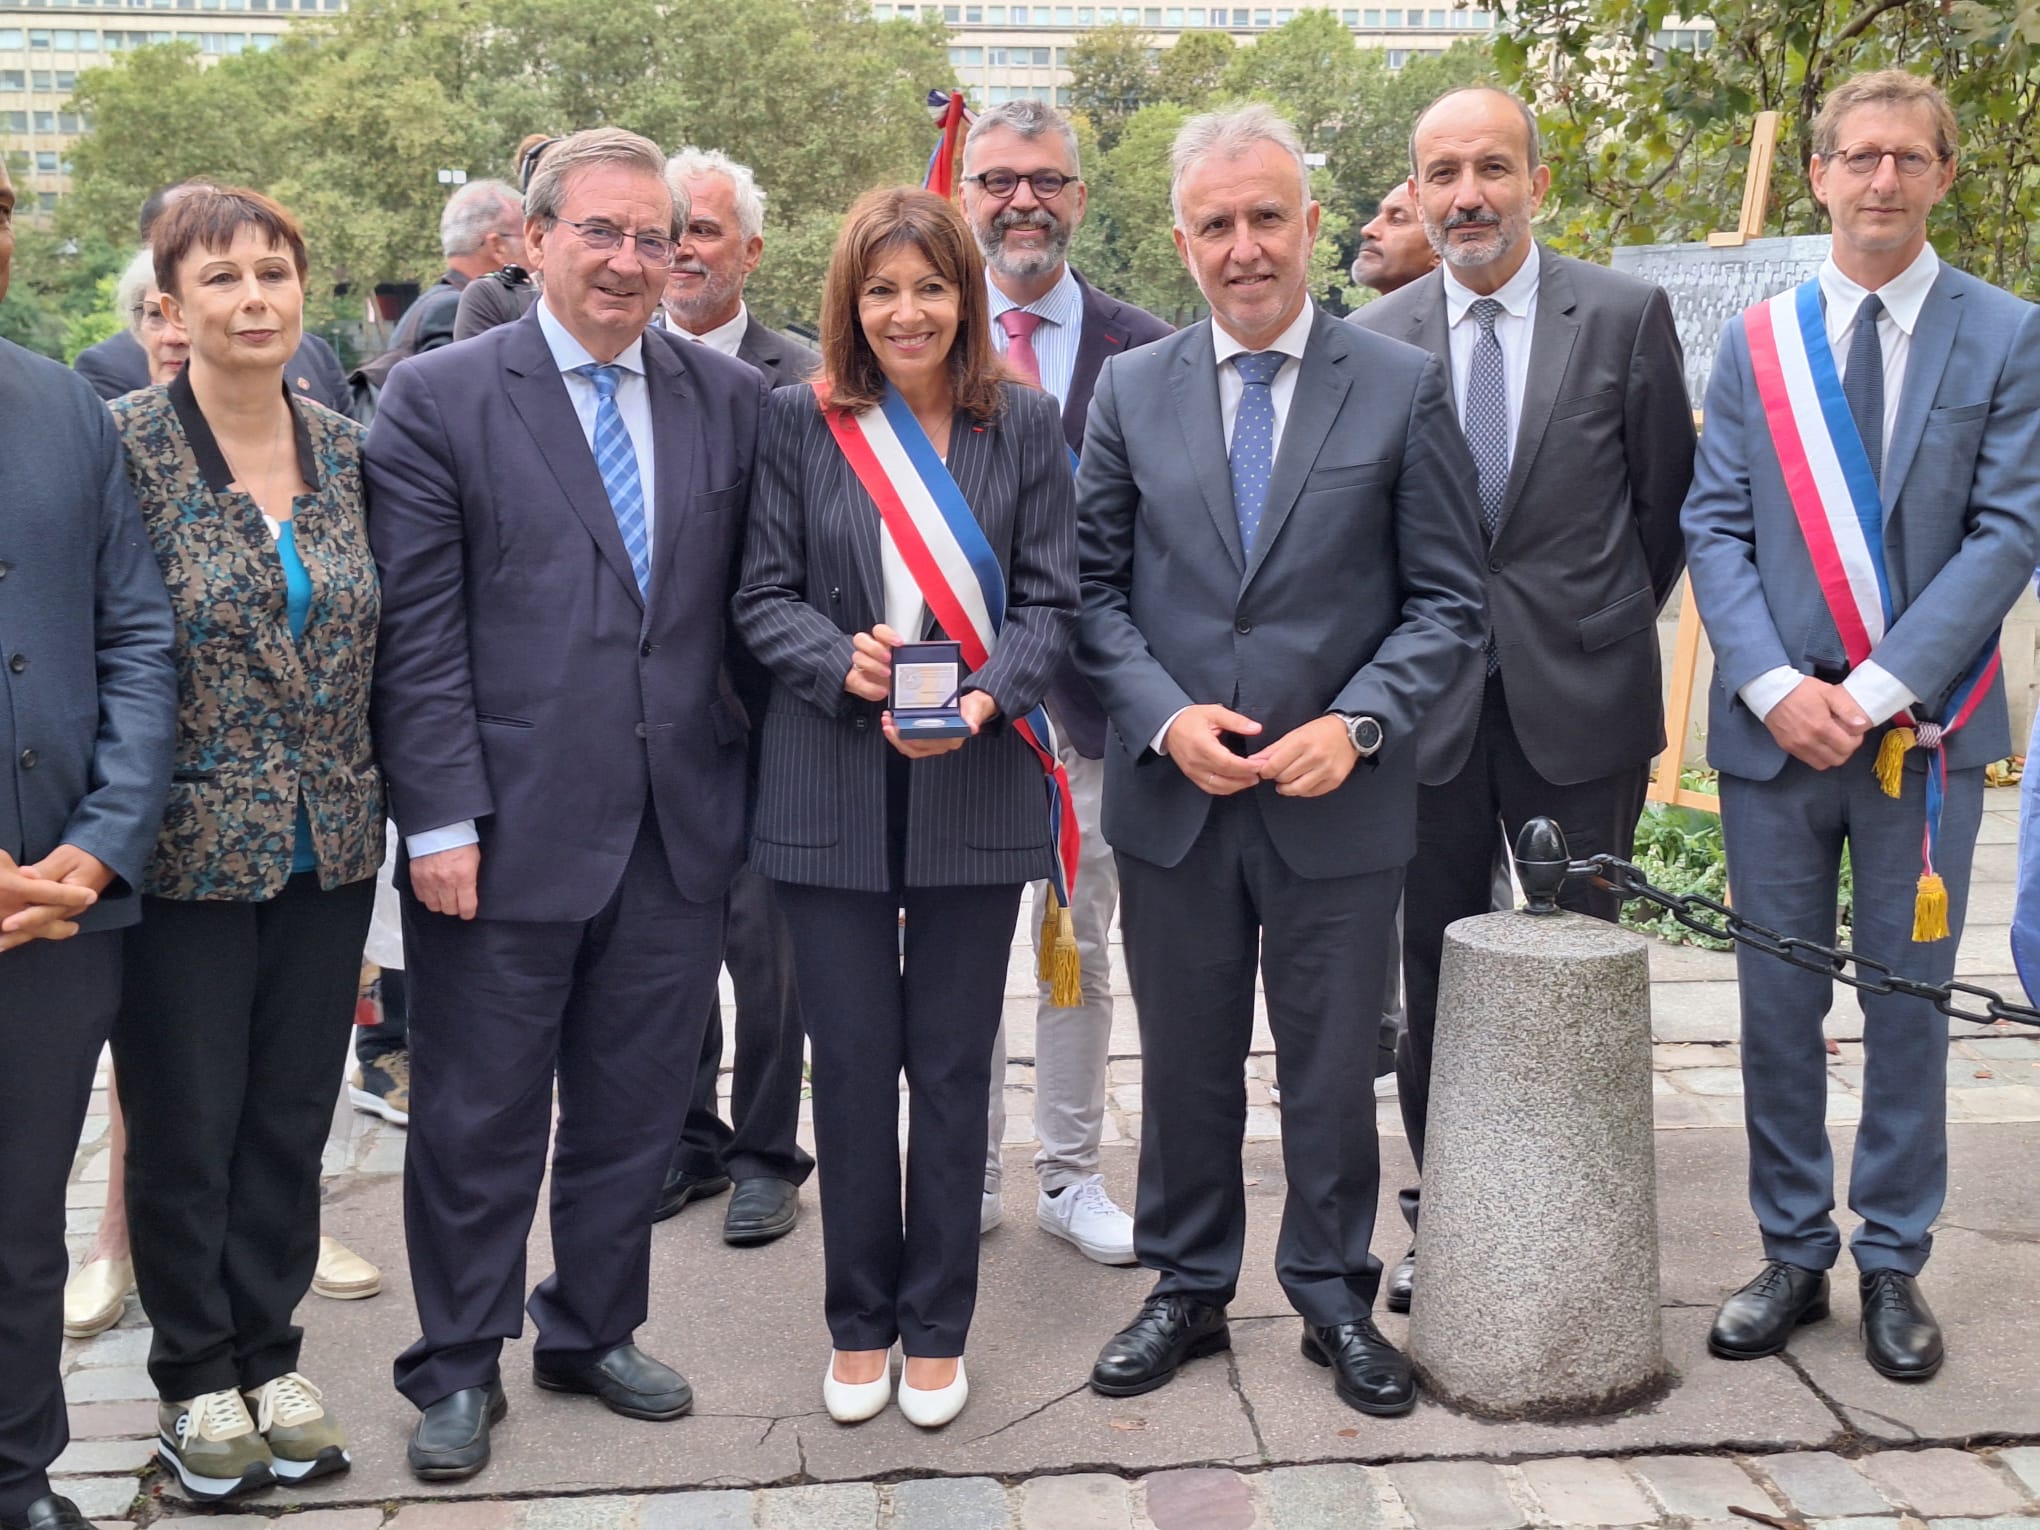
(1019, 326)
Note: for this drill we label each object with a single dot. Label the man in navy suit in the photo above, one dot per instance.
(556, 510)
(1937, 400)
(1025, 201)
(88, 704)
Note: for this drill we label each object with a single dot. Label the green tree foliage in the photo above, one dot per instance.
(1650, 143)
(1193, 72)
(60, 299)
(1112, 76)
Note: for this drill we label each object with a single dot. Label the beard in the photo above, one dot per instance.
(1014, 263)
(1508, 233)
(707, 301)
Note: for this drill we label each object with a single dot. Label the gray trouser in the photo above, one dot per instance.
(1070, 1045)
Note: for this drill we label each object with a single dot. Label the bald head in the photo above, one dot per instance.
(1393, 250)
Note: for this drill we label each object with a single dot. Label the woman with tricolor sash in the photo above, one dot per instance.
(915, 493)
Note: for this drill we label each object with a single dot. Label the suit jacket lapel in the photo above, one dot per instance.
(1926, 360)
(1100, 337)
(539, 395)
(1551, 343)
(676, 450)
(1321, 388)
(1194, 382)
(1427, 329)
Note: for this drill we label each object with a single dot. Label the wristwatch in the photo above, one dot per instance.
(1363, 733)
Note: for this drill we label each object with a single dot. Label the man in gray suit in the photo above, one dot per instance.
(1938, 403)
(88, 704)
(1279, 549)
(1568, 381)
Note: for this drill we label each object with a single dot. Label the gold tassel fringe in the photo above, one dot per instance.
(1930, 909)
(1066, 988)
(1891, 761)
(1044, 948)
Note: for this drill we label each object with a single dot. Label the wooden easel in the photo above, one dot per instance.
(1686, 650)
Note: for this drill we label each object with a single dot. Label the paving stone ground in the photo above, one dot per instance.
(1250, 1441)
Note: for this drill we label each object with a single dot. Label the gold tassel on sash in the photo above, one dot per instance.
(1930, 908)
(1890, 765)
(1059, 964)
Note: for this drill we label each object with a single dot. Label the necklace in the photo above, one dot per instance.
(268, 473)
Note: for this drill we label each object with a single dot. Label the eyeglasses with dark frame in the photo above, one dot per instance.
(1863, 160)
(1047, 185)
(652, 249)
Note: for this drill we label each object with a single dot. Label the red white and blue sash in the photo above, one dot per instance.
(1840, 510)
(945, 550)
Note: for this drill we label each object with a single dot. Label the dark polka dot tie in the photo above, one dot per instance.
(1253, 440)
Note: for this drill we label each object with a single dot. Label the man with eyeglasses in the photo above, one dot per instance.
(1025, 201)
(1864, 513)
(555, 508)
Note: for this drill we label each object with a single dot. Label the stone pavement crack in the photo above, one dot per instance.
(1013, 1423)
(1850, 1433)
(1232, 1372)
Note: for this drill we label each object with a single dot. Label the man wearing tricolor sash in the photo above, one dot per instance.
(1863, 514)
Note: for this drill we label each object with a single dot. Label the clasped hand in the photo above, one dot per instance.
(1306, 762)
(1818, 723)
(42, 901)
(870, 679)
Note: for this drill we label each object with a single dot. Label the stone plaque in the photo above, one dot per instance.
(1709, 286)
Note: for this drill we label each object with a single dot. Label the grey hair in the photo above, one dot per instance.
(1228, 135)
(1522, 107)
(477, 210)
(585, 150)
(1026, 118)
(691, 162)
(138, 278)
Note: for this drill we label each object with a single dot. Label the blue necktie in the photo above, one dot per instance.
(1863, 383)
(1253, 440)
(1486, 423)
(616, 460)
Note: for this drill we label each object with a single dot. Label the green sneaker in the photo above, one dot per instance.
(212, 1445)
(305, 1441)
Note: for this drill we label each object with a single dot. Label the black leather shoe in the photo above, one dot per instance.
(628, 1381)
(1368, 1372)
(1901, 1340)
(1145, 1354)
(1402, 1281)
(49, 1513)
(1759, 1318)
(682, 1187)
(760, 1210)
(451, 1441)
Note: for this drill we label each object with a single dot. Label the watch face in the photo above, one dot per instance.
(1366, 735)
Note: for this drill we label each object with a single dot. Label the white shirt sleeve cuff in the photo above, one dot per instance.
(451, 837)
(1162, 736)
(1770, 688)
(1878, 691)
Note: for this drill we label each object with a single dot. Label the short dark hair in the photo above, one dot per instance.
(878, 223)
(209, 217)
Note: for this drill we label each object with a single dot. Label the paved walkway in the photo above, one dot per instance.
(1250, 1441)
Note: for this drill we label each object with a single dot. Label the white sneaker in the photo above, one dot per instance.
(1384, 1086)
(1086, 1216)
(991, 1213)
(933, 1409)
(852, 1402)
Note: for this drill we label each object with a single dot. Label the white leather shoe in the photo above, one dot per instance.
(931, 1410)
(991, 1211)
(852, 1402)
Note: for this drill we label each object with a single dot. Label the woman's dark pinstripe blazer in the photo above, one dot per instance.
(977, 815)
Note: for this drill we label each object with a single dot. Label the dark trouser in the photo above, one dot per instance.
(933, 1015)
(1453, 874)
(233, 1027)
(765, 1090)
(1784, 839)
(1193, 933)
(373, 1042)
(57, 1001)
(612, 1008)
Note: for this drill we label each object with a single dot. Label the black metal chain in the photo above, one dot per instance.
(1718, 920)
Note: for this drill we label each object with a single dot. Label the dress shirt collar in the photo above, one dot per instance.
(1062, 304)
(1514, 294)
(568, 353)
(1904, 295)
(1290, 342)
(724, 337)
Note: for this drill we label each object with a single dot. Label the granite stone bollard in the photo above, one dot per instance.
(1537, 1248)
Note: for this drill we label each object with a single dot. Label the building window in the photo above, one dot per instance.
(1019, 17)
(46, 161)
(1173, 17)
(1261, 19)
(1062, 58)
(973, 15)
(995, 15)
(1062, 95)
(67, 122)
(1397, 57)
(1283, 18)
(67, 81)
(1084, 15)
(1064, 16)
(1437, 18)
(45, 122)
(38, 37)
(906, 12)
(952, 14)
(881, 13)
(966, 55)
(13, 79)
(1416, 18)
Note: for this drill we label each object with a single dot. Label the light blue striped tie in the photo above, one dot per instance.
(616, 460)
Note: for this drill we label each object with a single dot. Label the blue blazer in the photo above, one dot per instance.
(1961, 518)
(522, 681)
(88, 685)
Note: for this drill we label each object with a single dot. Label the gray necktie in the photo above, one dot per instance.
(1486, 423)
(1863, 383)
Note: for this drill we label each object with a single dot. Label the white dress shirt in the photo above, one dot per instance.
(1281, 389)
(724, 337)
(1513, 327)
(634, 403)
(1873, 688)
(1056, 338)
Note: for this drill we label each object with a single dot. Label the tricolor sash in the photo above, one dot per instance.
(959, 576)
(1840, 510)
